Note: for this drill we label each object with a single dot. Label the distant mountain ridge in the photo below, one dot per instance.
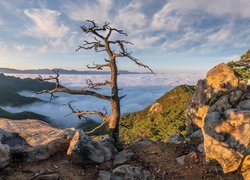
(62, 71)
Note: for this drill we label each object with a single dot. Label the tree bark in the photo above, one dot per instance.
(115, 102)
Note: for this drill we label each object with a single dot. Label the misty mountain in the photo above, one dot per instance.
(62, 71)
(10, 86)
(22, 115)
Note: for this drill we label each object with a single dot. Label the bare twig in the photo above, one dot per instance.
(98, 127)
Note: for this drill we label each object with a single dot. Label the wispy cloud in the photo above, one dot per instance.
(92, 10)
(45, 23)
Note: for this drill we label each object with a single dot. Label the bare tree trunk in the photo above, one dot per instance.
(100, 43)
(115, 102)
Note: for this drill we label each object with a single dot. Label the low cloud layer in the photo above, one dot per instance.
(141, 91)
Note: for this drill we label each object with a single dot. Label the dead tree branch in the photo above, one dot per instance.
(82, 114)
(96, 45)
(59, 88)
(98, 66)
(96, 86)
(98, 127)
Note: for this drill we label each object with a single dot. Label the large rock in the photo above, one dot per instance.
(83, 149)
(122, 157)
(245, 167)
(33, 140)
(220, 107)
(4, 155)
(219, 81)
(129, 172)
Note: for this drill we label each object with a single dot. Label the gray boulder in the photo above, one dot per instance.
(4, 155)
(122, 157)
(104, 175)
(244, 105)
(176, 139)
(128, 172)
(83, 149)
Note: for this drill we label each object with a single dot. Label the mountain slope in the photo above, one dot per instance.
(10, 86)
(21, 115)
(160, 120)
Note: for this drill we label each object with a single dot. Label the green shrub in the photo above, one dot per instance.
(242, 66)
(159, 126)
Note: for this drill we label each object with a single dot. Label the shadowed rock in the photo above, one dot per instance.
(83, 149)
(4, 155)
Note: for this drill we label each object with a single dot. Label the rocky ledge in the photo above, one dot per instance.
(31, 140)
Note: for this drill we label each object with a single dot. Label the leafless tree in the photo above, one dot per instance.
(114, 49)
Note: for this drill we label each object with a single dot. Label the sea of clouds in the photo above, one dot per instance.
(141, 90)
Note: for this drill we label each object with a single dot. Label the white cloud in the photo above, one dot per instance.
(90, 10)
(131, 17)
(45, 23)
(143, 42)
(19, 47)
(12, 49)
(164, 19)
(220, 36)
(3, 49)
(42, 49)
(213, 7)
(189, 36)
(202, 24)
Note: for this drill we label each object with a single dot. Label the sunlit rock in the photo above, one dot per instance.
(33, 140)
(220, 107)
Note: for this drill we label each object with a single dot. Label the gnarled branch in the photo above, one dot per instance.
(76, 92)
(96, 45)
(59, 88)
(96, 86)
(98, 66)
(82, 114)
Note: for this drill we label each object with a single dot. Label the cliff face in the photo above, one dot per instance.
(220, 106)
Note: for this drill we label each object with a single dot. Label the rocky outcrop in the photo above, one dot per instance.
(155, 108)
(83, 149)
(33, 140)
(220, 106)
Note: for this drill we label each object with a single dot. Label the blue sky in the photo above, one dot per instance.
(168, 35)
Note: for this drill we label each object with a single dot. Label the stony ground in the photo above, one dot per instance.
(158, 158)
